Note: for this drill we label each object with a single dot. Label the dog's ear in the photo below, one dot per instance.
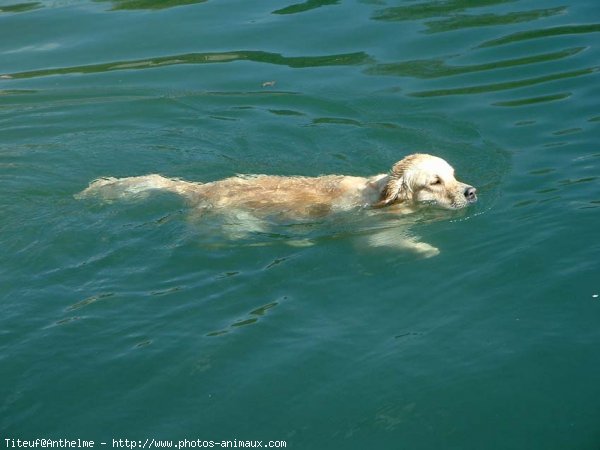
(397, 188)
(389, 193)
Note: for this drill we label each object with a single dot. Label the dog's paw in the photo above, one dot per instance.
(425, 250)
(300, 242)
(394, 238)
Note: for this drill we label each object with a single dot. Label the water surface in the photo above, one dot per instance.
(129, 320)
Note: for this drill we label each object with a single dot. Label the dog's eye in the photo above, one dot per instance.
(436, 181)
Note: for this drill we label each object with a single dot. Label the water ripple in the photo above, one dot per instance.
(305, 6)
(89, 301)
(436, 68)
(20, 7)
(17, 91)
(151, 4)
(344, 59)
(534, 100)
(253, 317)
(504, 86)
(545, 32)
(432, 9)
(485, 20)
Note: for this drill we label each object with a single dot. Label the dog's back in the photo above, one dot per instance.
(296, 197)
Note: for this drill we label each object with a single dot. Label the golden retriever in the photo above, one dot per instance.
(415, 180)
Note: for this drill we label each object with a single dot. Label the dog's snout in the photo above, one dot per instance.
(471, 194)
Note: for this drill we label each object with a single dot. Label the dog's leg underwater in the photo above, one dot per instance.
(400, 239)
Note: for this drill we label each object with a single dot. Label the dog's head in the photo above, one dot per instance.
(422, 178)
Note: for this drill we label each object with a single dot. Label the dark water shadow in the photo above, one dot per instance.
(344, 59)
(11, 92)
(455, 15)
(305, 6)
(149, 4)
(533, 100)
(20, 7)
(431, 9)
(437, 68)
(494, 87)
(253, 317)
(463, 21)
(546, 32)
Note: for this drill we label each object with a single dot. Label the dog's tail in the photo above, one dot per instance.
(134, 187)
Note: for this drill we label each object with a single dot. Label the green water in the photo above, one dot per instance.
(131, 321)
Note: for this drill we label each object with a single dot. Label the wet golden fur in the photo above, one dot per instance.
(416, 179)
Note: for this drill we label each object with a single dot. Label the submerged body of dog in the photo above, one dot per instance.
(417, 179)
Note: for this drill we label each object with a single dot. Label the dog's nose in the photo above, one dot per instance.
(470, 194)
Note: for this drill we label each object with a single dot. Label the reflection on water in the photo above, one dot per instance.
(346, 59)
(16, 91)
(545, 32)
(449, 16)
(20, 7)
(533, 100)
(305, 6)
(432, 9)
(151, 4)
(461, 21)
(504, 86)
(436, 68)
(117, 5)
(485, 20)
(253, 317)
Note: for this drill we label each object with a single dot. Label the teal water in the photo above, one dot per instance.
(131, 321)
